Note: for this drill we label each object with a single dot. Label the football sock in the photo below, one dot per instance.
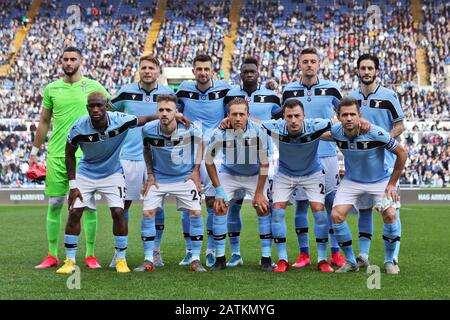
(121, 243)
(159, 225)
(265, 235)
(365, 226)
(185, 223)
(279, 232)
(301, 225)
(209, 232)
(148, 236)
(397, 243)
(329, 199)
(71, 245)
(220, 234)
(321, 232)
(54, 223)
(344, 238)
(196, 232)
(234, 227)
(90, 230)
(391, 235)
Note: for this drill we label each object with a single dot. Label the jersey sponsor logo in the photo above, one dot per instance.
(377, 103)
(323, 92)
(191, 94)
(90, 138)
(83, 86)
(133, 96)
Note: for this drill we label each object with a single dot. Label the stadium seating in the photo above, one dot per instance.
(113, 34)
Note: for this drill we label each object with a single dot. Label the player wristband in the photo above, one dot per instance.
(220, 194)
(72, 184)
(34, 151)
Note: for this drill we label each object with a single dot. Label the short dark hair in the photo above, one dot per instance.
(167, 98)
(73, 49)
(251, 60)
(151, 58)
(292, 103)
(309, 51)
(238, 100)
(368, 56)
(347, 102)
(202, 57)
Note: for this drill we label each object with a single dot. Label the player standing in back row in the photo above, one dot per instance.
(319, 99)
(139, 99)
(65, 102)
(202, 102)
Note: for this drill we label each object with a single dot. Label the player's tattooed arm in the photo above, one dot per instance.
(391, 189)
(397, 130)
(195, 175)
(151, 180)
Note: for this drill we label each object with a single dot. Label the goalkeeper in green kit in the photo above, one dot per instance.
(65, 100)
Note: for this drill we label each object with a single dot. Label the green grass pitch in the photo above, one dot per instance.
(424, 261)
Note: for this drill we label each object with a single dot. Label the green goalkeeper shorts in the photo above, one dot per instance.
(56, 180)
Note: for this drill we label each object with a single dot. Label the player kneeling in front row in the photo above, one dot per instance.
(244, 169)
(366, 173)
(172, 154)
(100, 135)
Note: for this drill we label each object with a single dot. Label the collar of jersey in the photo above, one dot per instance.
(309, 88)
(203, 92)
(257, 89)
(161, 134)
(147, 92)
(371, 93)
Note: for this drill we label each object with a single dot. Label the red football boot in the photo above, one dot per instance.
(282, 266)
(92, 263)
(337, 260)
(303, 260)
(324, 266)
(48, 262)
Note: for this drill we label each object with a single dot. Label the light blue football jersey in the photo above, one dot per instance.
(298, 156)
(132, 99)
(239, 151)
(206, 109)
(101, 150)
(264, 104)
(364, 155)
(319, 101)
(174, 156)
(381, 108)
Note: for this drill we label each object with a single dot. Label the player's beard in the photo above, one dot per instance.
(69, 74)
(368, 83)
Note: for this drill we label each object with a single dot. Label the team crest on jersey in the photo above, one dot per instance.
(83, 86)
(365, 103)
(248, 99)
(309, 93)
(203, 97)
(147, 98)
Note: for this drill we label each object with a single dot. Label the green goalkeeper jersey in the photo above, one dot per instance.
(68, 103)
